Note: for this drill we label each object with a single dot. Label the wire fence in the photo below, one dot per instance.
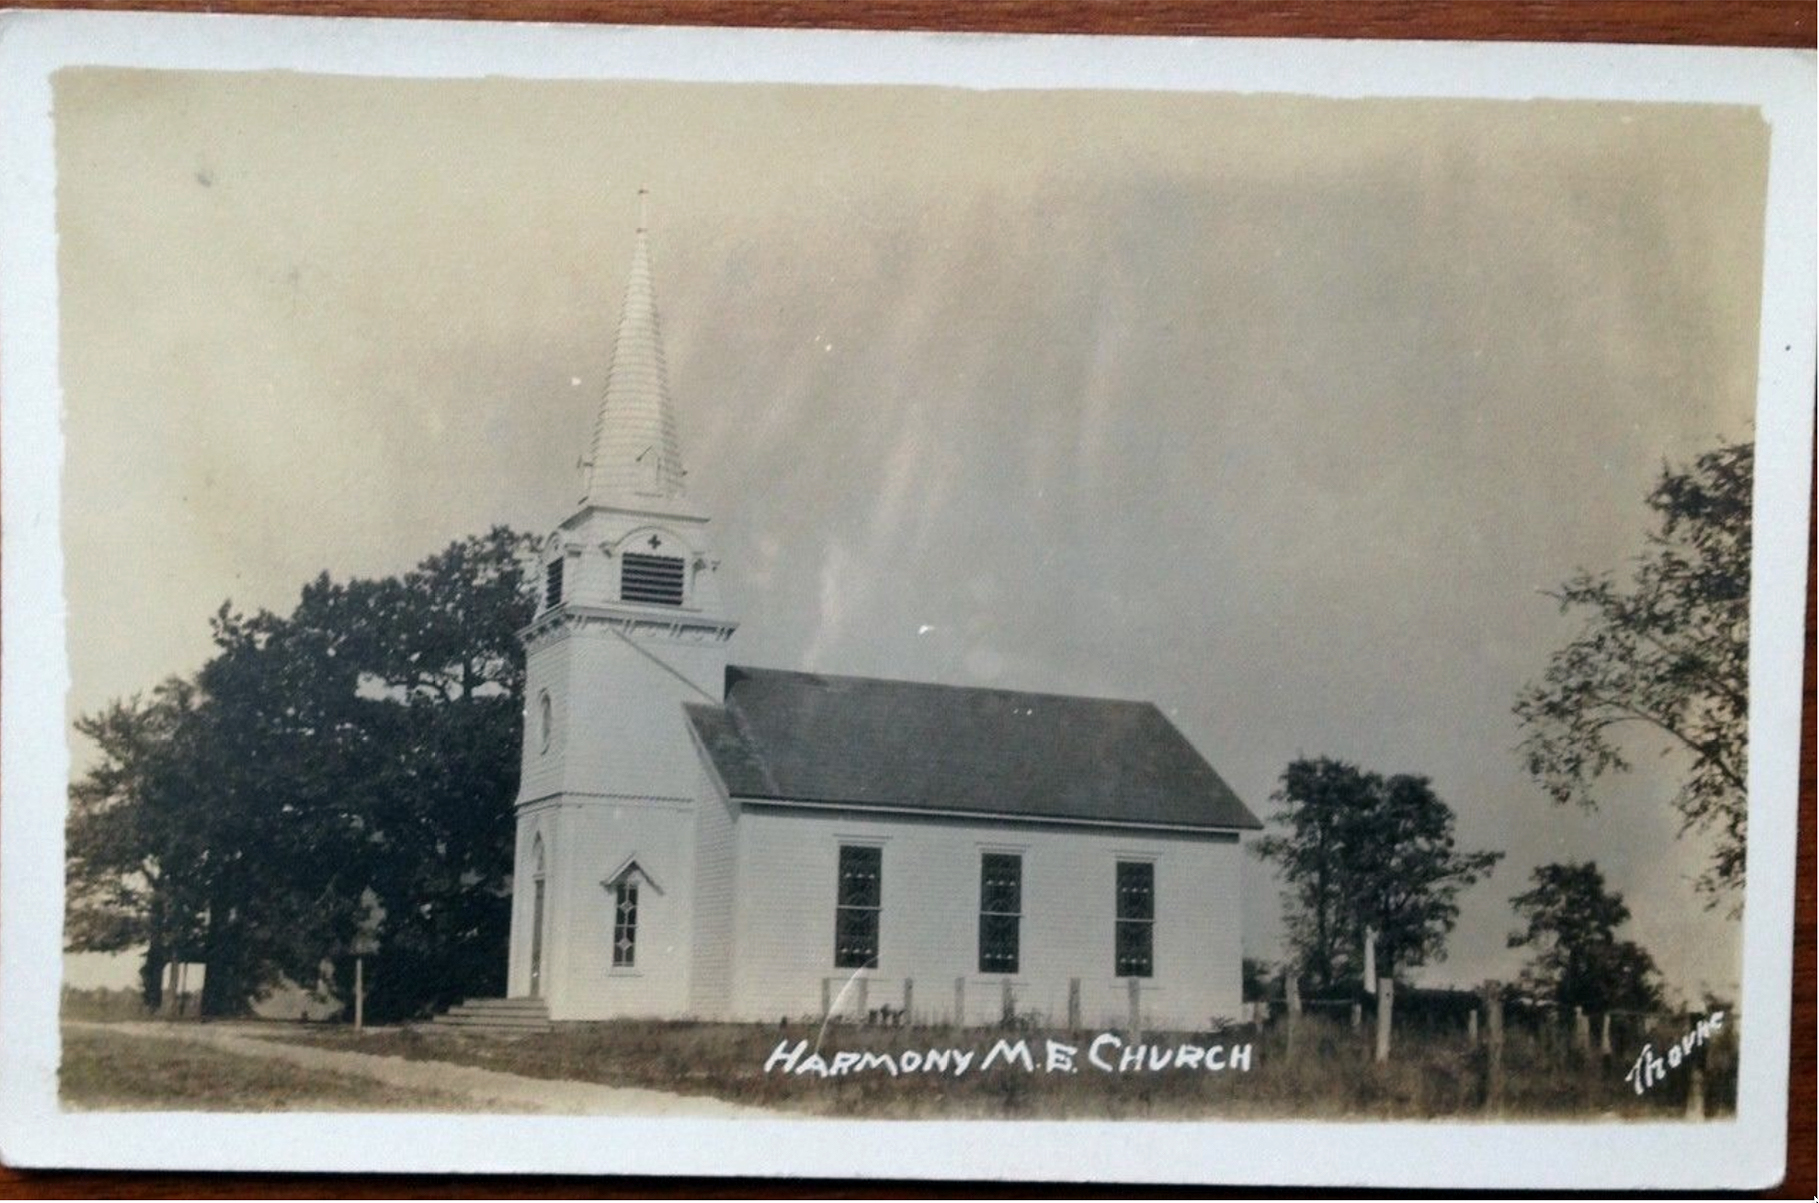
(1681, 1058)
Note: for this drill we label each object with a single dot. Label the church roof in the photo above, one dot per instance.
(636, 459)
(805, 738)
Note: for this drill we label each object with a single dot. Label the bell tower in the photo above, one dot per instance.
(629, 629)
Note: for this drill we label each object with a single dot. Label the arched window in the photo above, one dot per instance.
(625, 923)
(546, 723)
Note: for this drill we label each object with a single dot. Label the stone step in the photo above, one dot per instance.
(504, 1004)
(503, 1021)
(494, 1017)
(485, 1031)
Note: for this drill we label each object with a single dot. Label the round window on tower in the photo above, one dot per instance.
(545, 722)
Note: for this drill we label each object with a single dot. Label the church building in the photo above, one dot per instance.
(701, 838)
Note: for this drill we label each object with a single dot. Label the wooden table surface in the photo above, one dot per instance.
(1681, 22)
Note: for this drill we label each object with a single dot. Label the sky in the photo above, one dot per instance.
(1279, 412)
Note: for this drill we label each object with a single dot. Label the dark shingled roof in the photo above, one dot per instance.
(800, 737)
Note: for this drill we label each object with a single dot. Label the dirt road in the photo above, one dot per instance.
(487, 1090)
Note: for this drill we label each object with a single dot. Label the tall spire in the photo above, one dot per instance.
(636, 459)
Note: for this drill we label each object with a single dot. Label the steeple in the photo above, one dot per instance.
(636, 461)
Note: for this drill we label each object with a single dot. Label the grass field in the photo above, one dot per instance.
(110, 1071)
(1436, 1073)
(1328, 1074)
(103, 1005)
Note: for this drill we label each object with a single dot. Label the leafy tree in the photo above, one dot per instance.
(1365, 851)
(1668, 655)
(412, 687)
(1572, 923)
(1404, 872)
(337, 777)
(1315, 796)
(133, 837)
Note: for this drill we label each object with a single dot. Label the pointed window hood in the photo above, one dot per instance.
(637, 461)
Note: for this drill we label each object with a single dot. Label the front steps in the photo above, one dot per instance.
(495, 1017)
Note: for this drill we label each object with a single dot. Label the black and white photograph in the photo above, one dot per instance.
(698, 582)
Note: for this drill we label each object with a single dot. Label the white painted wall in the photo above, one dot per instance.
(619, 778)
(716, 899)
(784, 925)
(617, 703)
(597, 839)
(592, 540)
(531, 823)
(738, 917)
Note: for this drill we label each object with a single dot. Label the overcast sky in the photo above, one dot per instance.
(1278, 412)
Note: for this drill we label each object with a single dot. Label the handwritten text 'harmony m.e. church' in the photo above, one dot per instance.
(1107, 1053)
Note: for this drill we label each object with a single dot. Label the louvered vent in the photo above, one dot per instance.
(653, 579)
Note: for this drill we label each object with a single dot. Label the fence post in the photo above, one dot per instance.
(1357, 1016)
(960, 1002)
(1604, 1036)
(1471, 1027)
(1136, 1010)
(1073, 1004)
(359, 995)
(1582, 1031)
(1294, 1007)
(1386, 1007)
(827, 997)
(1695, 1084)
(1695, 1096)
(1493, 1061)
(865, 993)
(1007, 1006)
(909, 999)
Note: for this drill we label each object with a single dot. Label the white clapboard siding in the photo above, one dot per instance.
(716, 884)
(532, 823)
(619, 729)
(547, 670)
(597, 839)
(784, 929)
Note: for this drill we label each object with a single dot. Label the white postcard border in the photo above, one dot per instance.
(34, 759)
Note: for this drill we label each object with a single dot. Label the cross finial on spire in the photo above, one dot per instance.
(643, 195)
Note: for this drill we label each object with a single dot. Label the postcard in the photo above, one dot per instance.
(708, 601)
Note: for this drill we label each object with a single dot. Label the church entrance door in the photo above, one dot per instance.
(537, 941)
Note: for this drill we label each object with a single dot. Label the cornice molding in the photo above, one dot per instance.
(678, 626)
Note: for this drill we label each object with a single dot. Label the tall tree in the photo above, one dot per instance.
(1314, 798)
(342, 771)
(1362, 851)
(1571, 923)
(135, 833)
(1667, 656)
(1405, 872)
(441, 837)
